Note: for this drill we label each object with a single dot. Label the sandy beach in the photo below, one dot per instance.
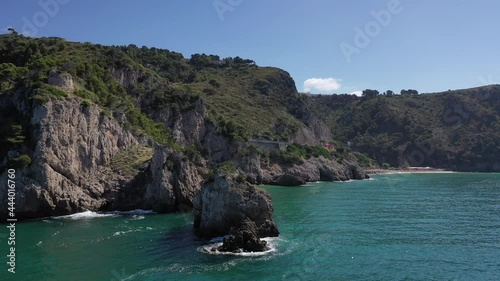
(408, 170)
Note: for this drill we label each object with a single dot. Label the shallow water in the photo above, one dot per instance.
(394, 227)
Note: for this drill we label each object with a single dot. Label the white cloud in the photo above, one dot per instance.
(322, 84)
(357, 93)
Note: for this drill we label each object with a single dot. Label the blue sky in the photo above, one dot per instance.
(340, 46)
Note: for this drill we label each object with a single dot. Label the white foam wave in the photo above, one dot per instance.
(136, 214)
(345, 181)
(136, 217)
(219, 267)
(84, 215)
(271, 242)
(139, 229)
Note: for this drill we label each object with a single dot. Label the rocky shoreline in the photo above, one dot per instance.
(82, 159)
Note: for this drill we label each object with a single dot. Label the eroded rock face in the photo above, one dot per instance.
(73, 146)
(313, 169)
(223, 204)
(174, 181)
(63, 80)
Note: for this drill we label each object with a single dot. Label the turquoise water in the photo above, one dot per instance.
(394, 227)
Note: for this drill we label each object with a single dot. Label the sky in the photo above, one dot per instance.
(341, 46)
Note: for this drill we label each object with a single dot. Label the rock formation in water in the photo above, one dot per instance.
(243, 239)
(227, 205)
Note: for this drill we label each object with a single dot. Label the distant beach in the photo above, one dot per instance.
(408, 170)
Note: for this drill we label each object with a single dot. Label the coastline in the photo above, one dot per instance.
(409, 170)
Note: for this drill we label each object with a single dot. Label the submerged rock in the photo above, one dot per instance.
(245, 238)
(224, 205)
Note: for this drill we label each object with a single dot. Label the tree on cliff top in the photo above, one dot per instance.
(368, 93)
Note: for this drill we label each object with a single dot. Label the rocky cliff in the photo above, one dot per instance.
(312, 170)
(72, 146)
(72, 149)
(223, 204)
(174, 181)
(117, 128)
(264, 171)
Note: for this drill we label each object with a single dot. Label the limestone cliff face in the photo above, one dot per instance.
(192, 128)
(314, 130)
(126, 77)
(63, 80)
(72, 148)
(72, 145)
(174, 181)
(224, 204)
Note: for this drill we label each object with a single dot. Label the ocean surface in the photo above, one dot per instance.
(392, 227)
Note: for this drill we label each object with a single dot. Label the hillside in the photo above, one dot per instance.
(92, 127)
(153, 88)
(457, 130)
(246, 100)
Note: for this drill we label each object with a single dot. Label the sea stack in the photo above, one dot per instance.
(226, 204)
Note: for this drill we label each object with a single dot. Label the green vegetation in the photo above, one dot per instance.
(149, 88)
(296, 154)
(130, 161)
(240, 99)
(193, 153)
(229, 169)
(26, 62)
(237, 93)
(46, 92)
(370, 93)
(409, 92)
(13, 137)
(20, 162)
(364, 160)
(455, 129)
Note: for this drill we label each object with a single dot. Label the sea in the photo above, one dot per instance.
(442, 226)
